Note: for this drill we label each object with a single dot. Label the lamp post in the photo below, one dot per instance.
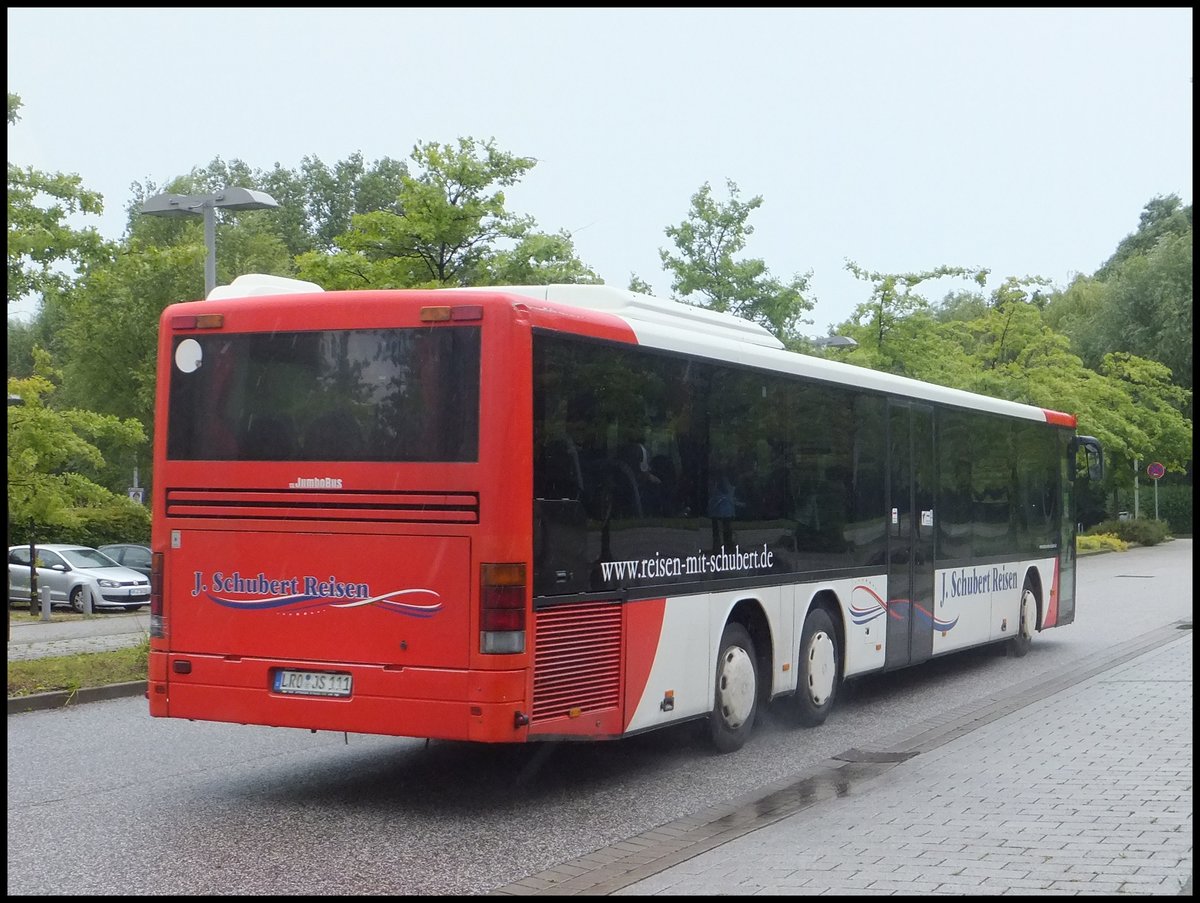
(176, 205)
(835, 341)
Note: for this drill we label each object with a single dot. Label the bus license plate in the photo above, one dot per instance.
(312, 683)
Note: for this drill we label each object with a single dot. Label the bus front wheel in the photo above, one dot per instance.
(1020, 644)
(817, 682)
(735, 700)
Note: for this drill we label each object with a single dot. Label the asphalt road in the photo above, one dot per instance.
(103, 799)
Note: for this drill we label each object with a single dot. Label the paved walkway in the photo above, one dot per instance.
(100, 633)
(1080, 784)
(1087, 789)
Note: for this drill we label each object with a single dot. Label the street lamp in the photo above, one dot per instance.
(835, 341)
(175, 205)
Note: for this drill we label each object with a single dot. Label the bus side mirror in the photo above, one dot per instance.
(1093, 456)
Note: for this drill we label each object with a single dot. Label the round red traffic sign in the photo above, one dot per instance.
(1155, 470)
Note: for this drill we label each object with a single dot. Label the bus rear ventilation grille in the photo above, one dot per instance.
(324, 505)
(577, 665)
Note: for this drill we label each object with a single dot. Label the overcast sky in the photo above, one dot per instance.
(1025, 141)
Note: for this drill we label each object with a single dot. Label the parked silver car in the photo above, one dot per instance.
(131, 555)
(72, 571)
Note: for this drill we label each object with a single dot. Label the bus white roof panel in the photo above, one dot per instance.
(673, 326)
(635, 307)
(257, 284)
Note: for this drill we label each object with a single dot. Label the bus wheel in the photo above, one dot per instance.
(736, 696)
(817, 682)
(1019, 645)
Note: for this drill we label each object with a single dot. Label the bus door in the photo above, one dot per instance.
(910, 517)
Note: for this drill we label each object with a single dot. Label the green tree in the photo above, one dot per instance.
(40, 242)
(894, 297)
(1163, 216)
(317, 203)
(707, 272)
(1140, 301)
(449, 226)
(537, 259)
(1158, 429)
(23, 337)
(638, 284)
(53, 460)
(1002, 345)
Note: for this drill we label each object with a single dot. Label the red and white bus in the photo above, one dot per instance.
(570, 512)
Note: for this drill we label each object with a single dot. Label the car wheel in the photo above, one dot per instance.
(77, 599)
(735, 701)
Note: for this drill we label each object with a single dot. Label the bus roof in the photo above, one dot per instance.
(255, 284)
(640, 308)
(675, 326)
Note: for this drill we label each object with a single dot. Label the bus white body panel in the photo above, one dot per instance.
(981, 604)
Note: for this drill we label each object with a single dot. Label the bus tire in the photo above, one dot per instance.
(818, 680)
(1020, 644)
(735, 696)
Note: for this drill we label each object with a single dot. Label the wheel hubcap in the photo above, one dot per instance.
(821, 667)
(1028, 615)
(736, 687)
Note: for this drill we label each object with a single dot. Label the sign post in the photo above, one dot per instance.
(1155, 471)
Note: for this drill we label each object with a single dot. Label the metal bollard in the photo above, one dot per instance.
(44, 597)
(88, 609)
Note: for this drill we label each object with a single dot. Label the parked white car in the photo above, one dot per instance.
(72, 571)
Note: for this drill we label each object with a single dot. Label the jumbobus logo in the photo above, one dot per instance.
(316, 483)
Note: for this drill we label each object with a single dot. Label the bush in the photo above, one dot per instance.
(1174, 506)
(1141, 531)
(123, 522)
(1100, 542)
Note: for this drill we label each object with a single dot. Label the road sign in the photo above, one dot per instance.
(1155, 470)
(137, 493)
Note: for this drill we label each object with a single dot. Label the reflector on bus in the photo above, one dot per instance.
(441, 314)
(198, 321)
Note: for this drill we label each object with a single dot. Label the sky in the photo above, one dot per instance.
(1025, 141)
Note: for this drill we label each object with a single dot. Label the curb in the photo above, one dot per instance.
(38, 702)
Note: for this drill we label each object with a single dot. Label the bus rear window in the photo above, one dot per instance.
(334, 395)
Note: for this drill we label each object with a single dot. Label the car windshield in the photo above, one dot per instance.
(88, 558)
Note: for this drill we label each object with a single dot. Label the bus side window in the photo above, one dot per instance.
(559, 475)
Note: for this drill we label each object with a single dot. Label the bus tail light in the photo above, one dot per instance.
(158, 626)
(502, 609)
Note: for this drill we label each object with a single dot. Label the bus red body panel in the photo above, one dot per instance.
(1058, 418)
(359, 597)
(1050, 617)
(644, 636)
(415, 702)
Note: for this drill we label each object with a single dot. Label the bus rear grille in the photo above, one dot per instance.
(577, 662)
(321, 505)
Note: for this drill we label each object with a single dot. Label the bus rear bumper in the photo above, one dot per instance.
(481, 706)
